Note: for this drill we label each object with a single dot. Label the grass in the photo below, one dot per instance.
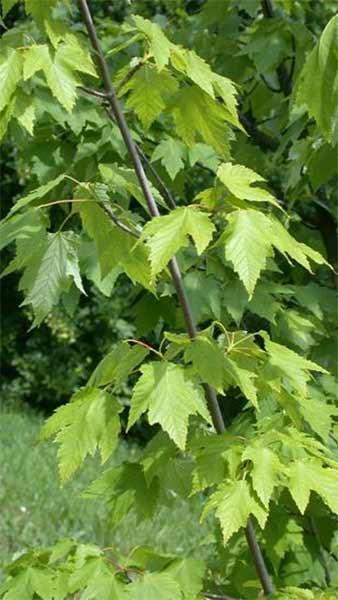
(35, 511)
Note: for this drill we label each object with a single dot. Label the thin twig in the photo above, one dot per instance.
(269, 86)
(162, 186)
(129, 76)
(176, 275)
(219, 597)
(96, 93)
(109, 212)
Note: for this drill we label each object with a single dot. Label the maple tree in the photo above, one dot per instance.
(142, 159)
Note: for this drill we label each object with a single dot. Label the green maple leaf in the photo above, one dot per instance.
(233, 503)
(51, 268)
(317, 412)
(249, 241)
(291, 248)
(171, 152)
(39, 9)
(305, 476)
(74, 57)
(208, 360)
(89, 422)
(248, 245)
(189, 573)
(159, 46)
(189, 63)
(149, 93)
(243, 379)
(293, 366)
(195, 113)
(169, 398)
(114, 246)
(20, 227)
(42, 582)
(165, 235)
(7, 5)
(118, 364)
(60, 78)
(36, 194)
(155, 586)
(24, 111)
(238, 179)
(264, 474)
(10, 75)
(317, 85)
(226, 89)
(199, 71)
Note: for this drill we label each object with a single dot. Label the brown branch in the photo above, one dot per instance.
(262, 139)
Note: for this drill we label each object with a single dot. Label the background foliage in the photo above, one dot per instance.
(286, 83)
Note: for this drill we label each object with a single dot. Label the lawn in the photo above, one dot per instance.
(35, 511)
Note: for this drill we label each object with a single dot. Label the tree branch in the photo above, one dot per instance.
(262, 139)
(211, 397)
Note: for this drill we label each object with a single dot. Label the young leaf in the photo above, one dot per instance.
(189, 573)
(249, 241)
(248, 245)
(234, 503)
(36, 194)
(165, 235)
(195, 113)
(60, 78)
(287, 245)
(89, 422)
(243, 379)
(39, 9)
(55, 265)
(317, 86)
(24, 111)
(114, 246)
(118, 364)
(159, 45)
(264, 474)
(171, 152)
(208, 360)
(292, 365)
(19, 227)
(74, 57)
(150, 91)
(199, 72)
(169, 398)
(305, 476)
(37, 58)
(238, 179)
(155, 586)
(10, 75)
(7, 5)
